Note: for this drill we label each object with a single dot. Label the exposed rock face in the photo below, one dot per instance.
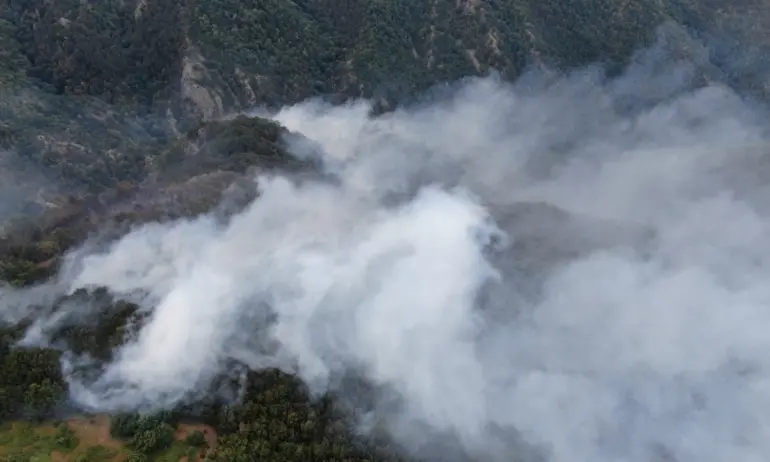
(206, 100)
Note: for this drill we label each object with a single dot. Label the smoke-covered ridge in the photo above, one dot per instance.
(575, 260)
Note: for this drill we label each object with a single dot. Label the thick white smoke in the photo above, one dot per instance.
(576, 259)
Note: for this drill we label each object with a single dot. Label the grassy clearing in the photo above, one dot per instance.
(23, 442)
(86, 439)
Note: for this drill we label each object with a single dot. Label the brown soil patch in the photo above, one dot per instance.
(94, 430)
(91, 431)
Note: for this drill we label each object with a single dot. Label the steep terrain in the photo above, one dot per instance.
(92, 90)
(116, 112)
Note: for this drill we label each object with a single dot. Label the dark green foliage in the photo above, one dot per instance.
(279, 422)
(65, 438)
(79, 85)
(145, 434)
(103, 49)
(95, 91)
(234, 145)
(21, 272)
(196, 439)
(31, 383)
(104, 332)
(128, 426)
(136, 457)
(286, 51)
(274, 38)
(28, 252)
(96, 454)
(153, 440)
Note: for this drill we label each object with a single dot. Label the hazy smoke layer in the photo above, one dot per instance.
(583, 261)
(23, 189)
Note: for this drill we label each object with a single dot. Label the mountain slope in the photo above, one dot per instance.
(118, 107)
(82, 79)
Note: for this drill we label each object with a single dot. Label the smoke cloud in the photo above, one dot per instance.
(581, 261)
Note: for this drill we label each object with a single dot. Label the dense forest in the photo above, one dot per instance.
(119, 105)
(81, 79)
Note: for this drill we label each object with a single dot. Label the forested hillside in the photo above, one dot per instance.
(81, 79)
(118, 105)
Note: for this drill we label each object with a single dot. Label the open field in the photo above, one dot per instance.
(86, 439)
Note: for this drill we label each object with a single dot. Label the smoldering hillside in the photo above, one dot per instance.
(24, 189)
(575, 265)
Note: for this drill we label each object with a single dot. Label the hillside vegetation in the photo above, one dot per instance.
(93, 90)
(118, 104)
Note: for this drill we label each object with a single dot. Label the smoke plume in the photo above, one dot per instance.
(580, 260)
